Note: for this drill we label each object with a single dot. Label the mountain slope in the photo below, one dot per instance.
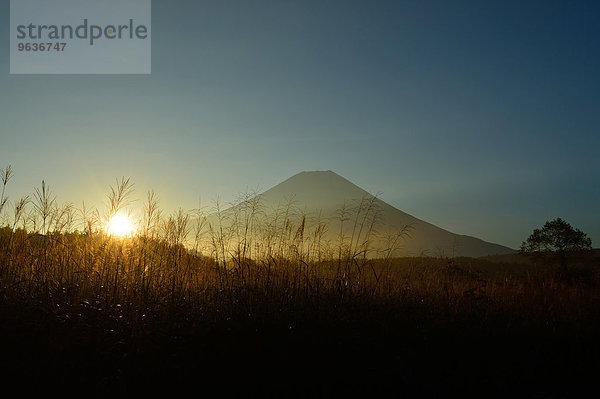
(325, 192)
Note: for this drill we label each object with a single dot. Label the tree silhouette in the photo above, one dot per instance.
(556, 239)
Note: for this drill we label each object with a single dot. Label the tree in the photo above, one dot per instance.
(557, 239)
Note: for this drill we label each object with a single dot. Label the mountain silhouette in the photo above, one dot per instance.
(321, 195)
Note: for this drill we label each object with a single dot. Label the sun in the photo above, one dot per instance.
(120, 226)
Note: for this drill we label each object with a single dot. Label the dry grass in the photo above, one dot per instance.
(255, 303)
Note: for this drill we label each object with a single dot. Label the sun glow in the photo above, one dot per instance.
(120, 226)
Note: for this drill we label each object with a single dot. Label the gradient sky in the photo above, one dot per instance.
(481, 117)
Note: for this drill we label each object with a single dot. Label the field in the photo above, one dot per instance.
(86, 313)
(131, 316)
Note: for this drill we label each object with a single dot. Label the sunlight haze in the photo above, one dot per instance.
(479, 117)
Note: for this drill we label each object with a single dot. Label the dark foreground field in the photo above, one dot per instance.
(91, 316)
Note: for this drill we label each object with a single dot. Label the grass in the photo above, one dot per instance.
(250, 306)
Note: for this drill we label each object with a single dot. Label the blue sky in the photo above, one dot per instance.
(480, 117)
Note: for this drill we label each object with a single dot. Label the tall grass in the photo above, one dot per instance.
(245, 267)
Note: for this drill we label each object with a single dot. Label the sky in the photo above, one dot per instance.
(479, 117)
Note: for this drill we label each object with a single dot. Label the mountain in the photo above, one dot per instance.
(326, 191)
(320, 195)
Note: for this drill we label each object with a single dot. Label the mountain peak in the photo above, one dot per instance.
(320, 179)
(326, 192)
(316, 190)
(316, 173)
